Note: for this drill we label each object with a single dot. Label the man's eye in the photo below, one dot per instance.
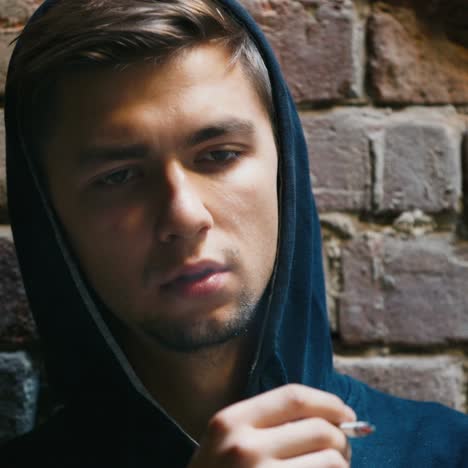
(221, 155)
(119, 177)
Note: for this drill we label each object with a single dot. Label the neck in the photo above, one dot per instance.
(194, 385)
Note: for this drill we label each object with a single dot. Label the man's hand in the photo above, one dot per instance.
(291, 426)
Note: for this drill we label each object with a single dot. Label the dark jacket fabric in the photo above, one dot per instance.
(108, 419)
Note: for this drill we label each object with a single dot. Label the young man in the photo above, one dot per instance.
(174, 269)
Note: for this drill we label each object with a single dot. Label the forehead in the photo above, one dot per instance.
(199, 84)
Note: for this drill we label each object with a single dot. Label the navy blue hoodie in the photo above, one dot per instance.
(108, 419)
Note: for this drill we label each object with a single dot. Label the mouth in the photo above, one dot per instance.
(196, 280)
(195, 276)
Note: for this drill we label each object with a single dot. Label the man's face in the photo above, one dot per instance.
(156, 169)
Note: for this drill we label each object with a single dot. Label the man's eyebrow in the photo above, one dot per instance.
(218, 129)
(95, 155)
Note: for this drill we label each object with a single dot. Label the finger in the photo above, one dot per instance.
(349, 450)
(323, 459)
(302, 437)
(286, 404)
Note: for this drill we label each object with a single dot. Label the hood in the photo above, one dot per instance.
(82, 357)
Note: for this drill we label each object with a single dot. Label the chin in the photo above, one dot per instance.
(205, 334)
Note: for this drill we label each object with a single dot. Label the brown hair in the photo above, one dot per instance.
(77, 34)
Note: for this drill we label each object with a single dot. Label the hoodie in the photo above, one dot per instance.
(108, 418)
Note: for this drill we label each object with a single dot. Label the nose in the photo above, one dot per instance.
(182, 213)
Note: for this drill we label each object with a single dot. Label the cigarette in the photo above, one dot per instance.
(357, 428)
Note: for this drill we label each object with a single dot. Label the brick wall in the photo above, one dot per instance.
(382, 87)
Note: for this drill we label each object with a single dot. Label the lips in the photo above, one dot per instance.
(192, 272)
(197, 281)
(195, 276)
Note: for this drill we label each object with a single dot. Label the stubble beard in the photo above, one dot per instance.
(207, 334)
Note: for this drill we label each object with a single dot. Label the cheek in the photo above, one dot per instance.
(261, 235)
(112, 262)
(109, 244)
(249, 213)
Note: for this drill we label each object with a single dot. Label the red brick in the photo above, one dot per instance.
(434, 378)
(409, 291)
(319, 44)
(5, 52)
(19, 385)
(3, 195)
(417, 161)
(415, 155)
(465, 174)
(16, 324)
(338, 144)
(15, 12)
(419, 51)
